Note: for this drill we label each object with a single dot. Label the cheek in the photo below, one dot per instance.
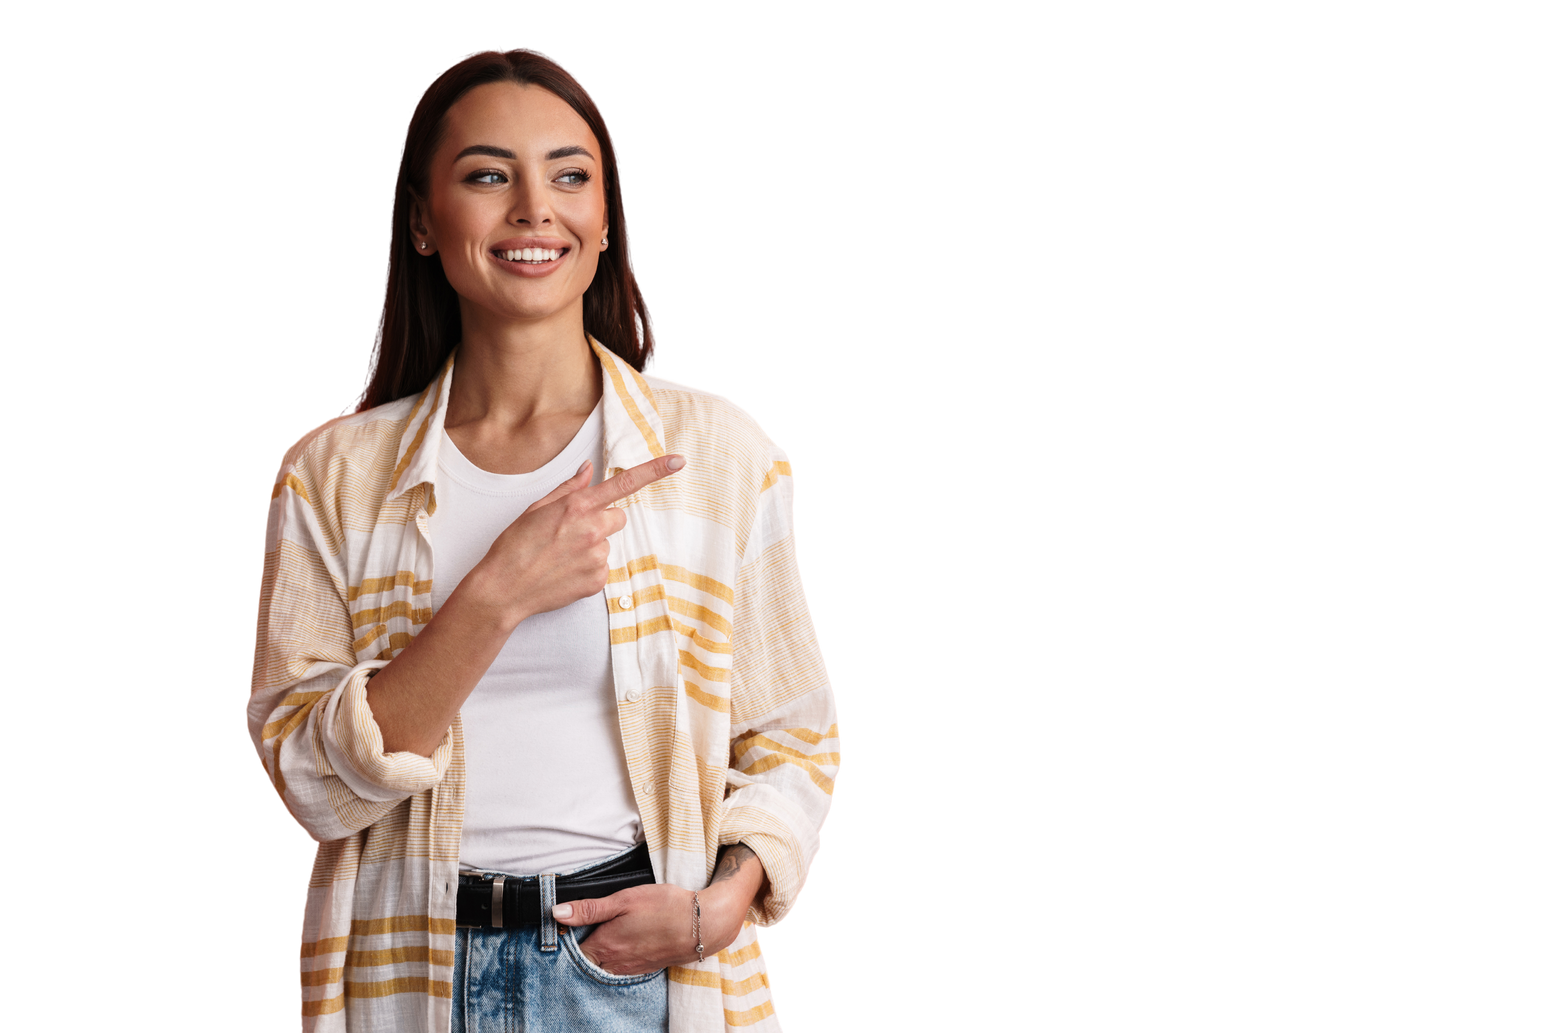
(586, 216)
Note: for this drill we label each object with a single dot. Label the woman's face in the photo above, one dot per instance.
(515, 207)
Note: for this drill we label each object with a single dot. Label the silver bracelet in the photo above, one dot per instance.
(699, 944)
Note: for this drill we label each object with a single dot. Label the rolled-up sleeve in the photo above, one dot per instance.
(308, 712)
(785, 736)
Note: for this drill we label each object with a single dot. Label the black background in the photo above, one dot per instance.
(753, 199)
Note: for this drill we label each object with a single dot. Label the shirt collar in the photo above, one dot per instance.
(631, 426)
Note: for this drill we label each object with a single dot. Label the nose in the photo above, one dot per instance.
(530, 203)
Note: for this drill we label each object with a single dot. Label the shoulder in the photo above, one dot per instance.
(354, 452)
(695, 419)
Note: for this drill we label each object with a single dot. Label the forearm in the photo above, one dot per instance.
(415, 698)
(736, 883)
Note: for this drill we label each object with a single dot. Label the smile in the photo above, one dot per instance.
(531, 255)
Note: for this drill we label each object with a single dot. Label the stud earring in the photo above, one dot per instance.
(604, 240)
(422, 245)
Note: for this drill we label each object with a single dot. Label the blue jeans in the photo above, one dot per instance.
(503, 983)
(508, 981)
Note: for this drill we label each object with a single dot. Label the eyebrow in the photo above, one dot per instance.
(500, 152)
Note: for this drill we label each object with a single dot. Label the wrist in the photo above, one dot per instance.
(722, 911)
(724, 903)
(486, 597)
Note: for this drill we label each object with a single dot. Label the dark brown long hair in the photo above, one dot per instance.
(421, 322)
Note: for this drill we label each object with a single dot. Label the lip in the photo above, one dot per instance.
(523, 269)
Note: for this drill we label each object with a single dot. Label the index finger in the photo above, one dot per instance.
(632, 480)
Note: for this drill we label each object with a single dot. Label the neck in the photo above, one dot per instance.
(509, 372)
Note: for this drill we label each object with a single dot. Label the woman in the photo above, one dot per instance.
(534, 665)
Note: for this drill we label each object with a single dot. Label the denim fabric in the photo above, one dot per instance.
(534, 979)
(504, 982)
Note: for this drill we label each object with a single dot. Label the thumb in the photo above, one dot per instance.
(588, 912)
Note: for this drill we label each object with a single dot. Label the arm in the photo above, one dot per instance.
(372, 734)
(307, 712)
(784, 732)
(784, 756)
(556, 551)
(650, 927)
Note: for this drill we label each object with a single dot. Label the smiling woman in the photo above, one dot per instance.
(421, 321)
(564, 740)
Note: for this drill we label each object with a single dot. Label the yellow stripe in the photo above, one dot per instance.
(654, 626)
(419, 435)
(323, 1007)
(693, 977)
(295, 721)
(708, 617)
(295, 699)
(373, 585)
(401, 985)
(707, 585)
(332, 945)
(397, 956)
(806, 734)
(713, 673)
(292, 482)
(369, 637)
(740, 957)
(740, 987)
(769, 760)
(742, 746)
(708, 645)
(611, 366)
(729, 987)
(400, 608)
(321, 976)
(704, 698)
(403, 924)
(752, 1015)
(645, 595)
(778, 470)
(642, 563)
(774, 760)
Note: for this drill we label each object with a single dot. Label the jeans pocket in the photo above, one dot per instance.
(591, 970)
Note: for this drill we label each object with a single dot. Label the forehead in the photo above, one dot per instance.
(526, 120)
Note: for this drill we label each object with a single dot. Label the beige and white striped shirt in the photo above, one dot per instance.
(725, 709)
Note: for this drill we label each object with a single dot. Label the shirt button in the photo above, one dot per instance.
(625, 602)
(648, 788)
(633, 695)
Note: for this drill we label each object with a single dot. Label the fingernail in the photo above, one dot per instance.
(562, 910)
(583, 466)
(674, 462)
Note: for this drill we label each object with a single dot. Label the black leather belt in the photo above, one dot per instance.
(477, 892)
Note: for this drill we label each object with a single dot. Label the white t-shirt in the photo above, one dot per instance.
(548, 789)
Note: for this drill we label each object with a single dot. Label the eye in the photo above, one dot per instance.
(487, 176)
(574, 177)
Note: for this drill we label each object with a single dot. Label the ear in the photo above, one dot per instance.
(419, 233)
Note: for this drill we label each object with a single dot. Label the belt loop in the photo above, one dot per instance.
(497, 903)
(546, 903)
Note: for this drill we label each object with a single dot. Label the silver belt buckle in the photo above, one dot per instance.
(497, 902)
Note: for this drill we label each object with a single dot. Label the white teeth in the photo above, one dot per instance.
(531, 254)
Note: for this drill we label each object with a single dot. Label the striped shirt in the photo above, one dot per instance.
(724, 705)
